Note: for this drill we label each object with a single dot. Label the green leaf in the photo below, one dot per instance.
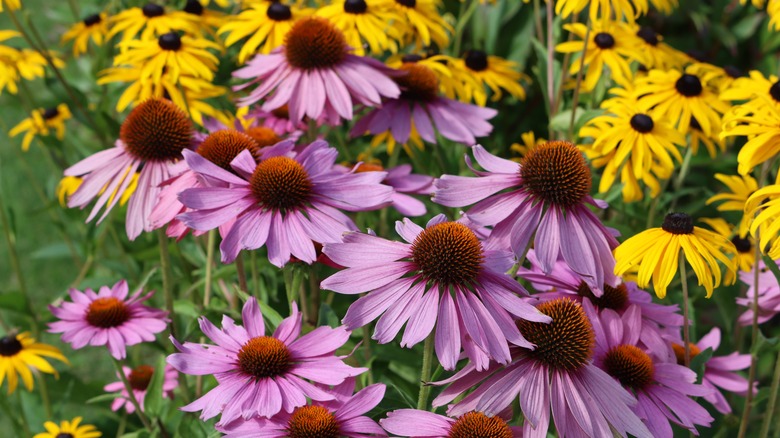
(103, 397)
(746, 27)
(700, 361)
(328, 317)
(270, 314)
(154, 393)
(13, 300)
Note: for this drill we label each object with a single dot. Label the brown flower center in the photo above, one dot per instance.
(107, 312)
(567, 342)
(264, 356)
(369, 167)
(223, 146)
(281, 183)
(64, 435)
(140, 377)
(419, 82)
(615, 298)
(630, 365)
(283, 112)
(448, 254)
(312, 422)
(156, 130)
(677, 223)
(679, 352)
(478, 425)
(556, 172)
(263, 136)
(314, 43)
(10, 346)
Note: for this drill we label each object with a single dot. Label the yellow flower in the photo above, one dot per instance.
(665, 6)
(40, 122)
(655, 253)
(745, 256)
(609, 43)
(656, 53)
(70, 429)
(603, 8)
(741, 187)
(773, 10)
(765, 202)
(713, 143)
(762, 128)
(421, 23)
(12, 4)
(171, 54)
(206, 20)
(265, 23)
(24, 63)
(151, 21)
(19, 354)
(69, 184)
(757, 3)
(476, 67)
(450, 82)
(529, 142)
(365, 20)
(755, 90)
(390, 143)
(94, 26)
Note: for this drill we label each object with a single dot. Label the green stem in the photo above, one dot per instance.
(255, 274)
(538, 22)
(131, 395)
(463, 20)
(122, 424)
(367, 351)
(425, 373)
(314, 295)
(576, 98)
(686, 318)
(753, 339)
(45, 396)
(770, 409)
(165, 262)
(11, 415)
(22, 416)
(212, 238)
(241, 273)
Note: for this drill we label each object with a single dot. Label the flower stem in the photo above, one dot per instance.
(367, 352)
(165, 262)
(209, 262)
(686, 318)
(463, 20)
(241, 273)
(576, 98)
(314, 295)
(45, 396)
(22, 416)
(770, 409)
(538, 22)
(122, 424)
(753, 338)
(131, 394)
(425, 373)
(550, 67)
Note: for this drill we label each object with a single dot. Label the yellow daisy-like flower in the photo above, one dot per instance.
(69, 184)
(655, 253)
(206, 20)
(656, 53)
(24, 63)
(754, 90)
(773, 10)
(70, 429)
(762, 128)
(12, 4)
(386, 138)
(171, 54)
(665, 6)
(609, 43)
(450, 82)
(421, 23)
(765, 202)
(529, 142)
(630, 9)
(713, 143)
(151, 21)
(757, 3)
(492, 71)
(740, 189)
(369, 21)
(40, 122)
(94, 26)
(745, 257)
(265, 23)
(682, 95)
(20, 354)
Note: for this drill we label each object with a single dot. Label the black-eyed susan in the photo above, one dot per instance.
(21, 63)
(762, 129)
(170, 54)
(740, 188)
(151, 21)
(665, 6)
(766, 203)
(655, 252)
(630, 9)
(207, 20)
(657, 54)
(452, 84)
(492, 71)
(610, 43)
(757, 3)
(529, 141)
(11, 4)
(40, 122)
(69, 429)
(753, 90)
(421, 23)
(713, 143)
(681, 96)
(93, 27)
(265, 23)
(773, 10)
(745, 256)
(20, 354)
(365, 21)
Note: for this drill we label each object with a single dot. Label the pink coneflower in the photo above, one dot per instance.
(718, 371)
(663, 389)
(558, 375)
(109, 318)
(768, 295)
(152, 138)
(414, 423)
(443, 274)
(419, 109)
(286, 202)
(278, 120)
(259, 375)
(315, 75)
(404, 183)
(139, 378)
(546, 199)
(328, 419)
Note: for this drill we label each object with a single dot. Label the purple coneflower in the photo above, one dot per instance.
(286, 202)
(152, 138)
(404, 183)
(441, 274)
(315, 75)
(109, 318)
(343, 417)
(278, 120)
(259, 375)
(557, 375)
(663, 389)
(414, 423)
(768, 295)
(547, 196)
(419, 109)
(139, 379)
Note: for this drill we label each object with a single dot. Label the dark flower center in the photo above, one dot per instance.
(679, 352)
(107, 312)
(355, 6)
(193, 7)
(556, 172)
(678, 223)
(604, 40)
(615, 298)
(648, 35)
(156, 130)
(476, 60)
(733, 71)
(281, 183)
(312, 422)
(223, 146)
(742, 244)
(448, 254)
(10, 346)
(407, 3)
(695, 124)
(631, 366)
(314, 43)
(50, 113)
(688, 85)
(419, 83)
(774, 91)
(567, 342)
(642, 123)
(278, 12)
(140, 377)
(263, 136)
(283, 112)
(64, 435)
(264, 356)
(169, 41)
(478, 425)
(152, 10)
(411, 58)
(92, 20)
